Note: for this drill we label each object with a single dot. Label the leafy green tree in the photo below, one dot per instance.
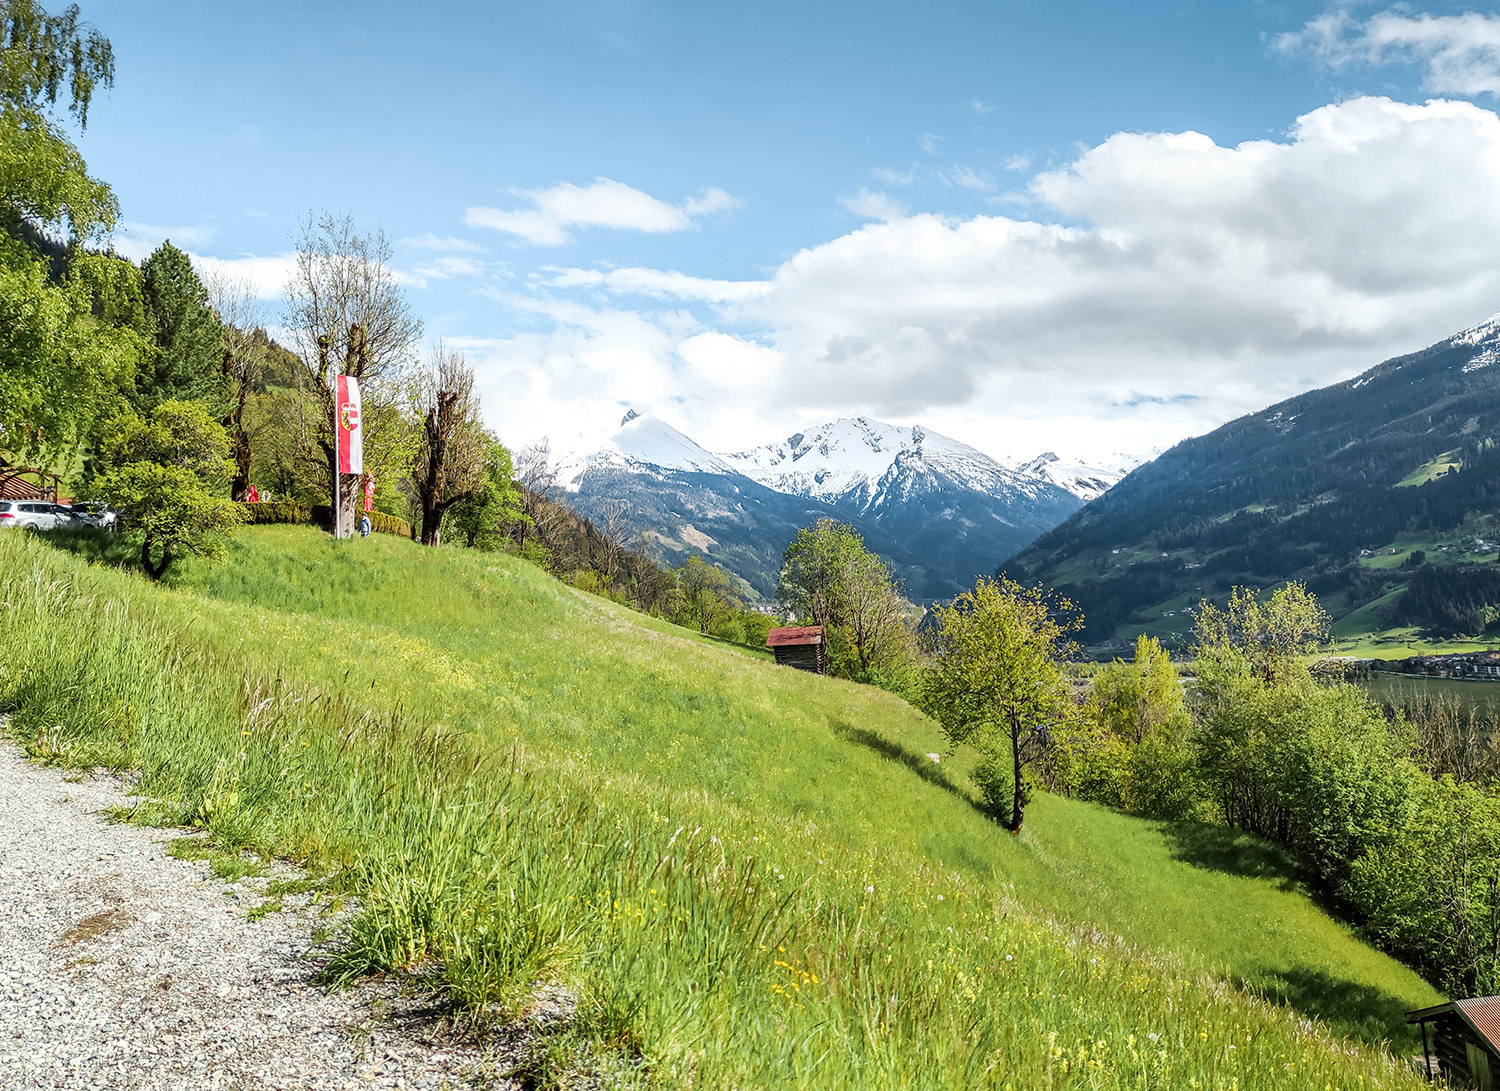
(1134, 700)
(61, 365)
(189, 359)
(168, 472)
(1267, 640)
(830, 578)
(705, 591)
(484, 520)
(996, 682)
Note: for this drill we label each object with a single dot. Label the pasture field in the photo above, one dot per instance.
(748, 876)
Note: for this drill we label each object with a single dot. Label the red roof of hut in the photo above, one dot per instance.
(793, 635)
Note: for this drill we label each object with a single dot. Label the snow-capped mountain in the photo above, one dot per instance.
(643, 441)
(1084, 482)
(865, 463)
(941, 511)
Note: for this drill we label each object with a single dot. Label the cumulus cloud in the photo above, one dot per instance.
(603, 203)
(1159, 284)
(1459, 54)
(872, 205)
(267, 275)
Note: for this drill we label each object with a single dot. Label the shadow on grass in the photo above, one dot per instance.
(1363, 1012)
(96, 546)
(920, 764)
(1234, 852)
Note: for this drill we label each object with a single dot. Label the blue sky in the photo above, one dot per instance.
(987, 218)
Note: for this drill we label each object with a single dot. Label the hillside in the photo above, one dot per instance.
(940, 511)
(650, 730)
(1337, 487)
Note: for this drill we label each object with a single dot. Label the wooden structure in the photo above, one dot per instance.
(1461, 1041)
(15, 486)
(799, 646)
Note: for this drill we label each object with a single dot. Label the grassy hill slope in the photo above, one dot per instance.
(279, 700)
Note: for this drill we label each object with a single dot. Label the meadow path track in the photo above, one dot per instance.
(124, 968)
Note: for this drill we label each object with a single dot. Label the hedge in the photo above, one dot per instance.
(285, 511)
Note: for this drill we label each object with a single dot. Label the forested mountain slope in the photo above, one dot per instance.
(1328, 486)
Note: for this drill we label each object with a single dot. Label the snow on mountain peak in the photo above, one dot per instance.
(643, 441)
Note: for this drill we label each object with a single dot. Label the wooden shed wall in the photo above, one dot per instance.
(807, 657)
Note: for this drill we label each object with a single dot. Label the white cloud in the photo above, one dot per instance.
(872, 205)
(1160, 284)
(1017, 162)
(929, 142)
(980, 108)
(603, 203)
(660, 284)
(891, 177)
(136, 240)
(442, 243)
(967, 178)
(267, 274)
(1460, 54)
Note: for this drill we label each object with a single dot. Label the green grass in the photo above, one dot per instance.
(1448, 460)
(749, 876)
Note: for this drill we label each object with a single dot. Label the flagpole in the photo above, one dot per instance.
(337, 513)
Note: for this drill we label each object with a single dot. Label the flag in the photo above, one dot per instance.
(369, 492)
(348, 426)
(252, 495)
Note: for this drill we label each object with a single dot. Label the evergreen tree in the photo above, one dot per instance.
(189, 359)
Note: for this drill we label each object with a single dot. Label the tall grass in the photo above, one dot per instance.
(709, 944)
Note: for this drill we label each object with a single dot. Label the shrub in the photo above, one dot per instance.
(276, 511)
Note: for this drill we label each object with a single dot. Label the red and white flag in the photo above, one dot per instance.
(348, 426)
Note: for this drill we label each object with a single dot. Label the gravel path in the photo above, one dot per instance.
(124, 968)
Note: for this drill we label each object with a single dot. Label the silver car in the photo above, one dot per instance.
(37, 515)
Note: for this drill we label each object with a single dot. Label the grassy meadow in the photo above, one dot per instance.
(749, 876)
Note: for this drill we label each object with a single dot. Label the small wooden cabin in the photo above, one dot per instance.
(799, 646)
(1461, 1041)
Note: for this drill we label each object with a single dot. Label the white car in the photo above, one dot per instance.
(37, 515)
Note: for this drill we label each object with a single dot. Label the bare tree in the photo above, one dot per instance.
(239, 312)
(612, 519)
(345, 314)
(537, 475)
(449, 467)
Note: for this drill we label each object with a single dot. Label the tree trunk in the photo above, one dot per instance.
(158, 569)
(1018, 799)
(239, 441)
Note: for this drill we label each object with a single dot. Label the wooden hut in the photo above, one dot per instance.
(1461, 1041)
(799, 646)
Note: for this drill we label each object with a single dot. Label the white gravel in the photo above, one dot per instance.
(124, 968)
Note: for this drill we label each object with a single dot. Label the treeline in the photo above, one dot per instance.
(1449, 599)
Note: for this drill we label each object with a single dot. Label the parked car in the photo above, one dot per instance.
(37, 515)
(100, 516)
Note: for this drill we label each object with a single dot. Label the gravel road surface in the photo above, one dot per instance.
(124, 968)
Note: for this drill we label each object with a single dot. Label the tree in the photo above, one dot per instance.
(996, 682)
(243, 367)
(61, 366)
(189, 359)
(167, 472)
(813, 569)
(1266, 640)
(484, 520)
(345, 314)
(1133, 700)
(449, 467)
(830, 578)
(705, 590)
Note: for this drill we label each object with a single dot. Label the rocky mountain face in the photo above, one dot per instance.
(939, 510)
(1318, 488)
